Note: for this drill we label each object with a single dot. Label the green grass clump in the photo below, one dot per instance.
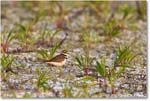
(123, 60)
(6, 61)
(111, 29)
(84, 62)
(48, 35)
(26, 95)
(128, 11)
(42, 80)
(44, 53)
(90, 38)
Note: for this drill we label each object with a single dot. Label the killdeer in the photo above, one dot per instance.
(58, 60)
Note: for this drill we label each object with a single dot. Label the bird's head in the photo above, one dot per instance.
(65, 52)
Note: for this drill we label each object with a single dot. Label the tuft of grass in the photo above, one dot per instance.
(26, 95)
(89, 40)
(20, 32)
(48, 36)
(24, 38)
(87, 78)
(127, 11)
(53, 51)
(6, 60)
(90, 37)
(111, 29)
(141, 9)
(7, 40)
(68, 91)
(84, 61)
(123, 60)
(10, 37)
(42, 80)
(101, 67)
(44, 53)
(124, 57)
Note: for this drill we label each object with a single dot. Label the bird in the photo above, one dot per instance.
(58, 60)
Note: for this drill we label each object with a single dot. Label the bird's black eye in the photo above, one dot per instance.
(65, 56)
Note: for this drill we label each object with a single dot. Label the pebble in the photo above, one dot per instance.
(138, 94)
(108, 90)
(139, 88)
(125, 86)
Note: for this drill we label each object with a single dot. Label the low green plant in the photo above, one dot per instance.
(101, 69)
(6, 60)
(84, 62)
(95, 7)
(141, 7)
(44, 53)
(85, 79)
(21, 32)
(48, 35)
(26, 95)
(123, 60)
(68, 91)
(6, 40)
(111, 29)
(124, 57)
(10, 37)
(128, 11)
(42, 80)
(89, 39)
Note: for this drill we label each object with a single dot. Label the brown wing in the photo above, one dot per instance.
(58, 58)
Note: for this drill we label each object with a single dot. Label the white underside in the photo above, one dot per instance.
(59, 64)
